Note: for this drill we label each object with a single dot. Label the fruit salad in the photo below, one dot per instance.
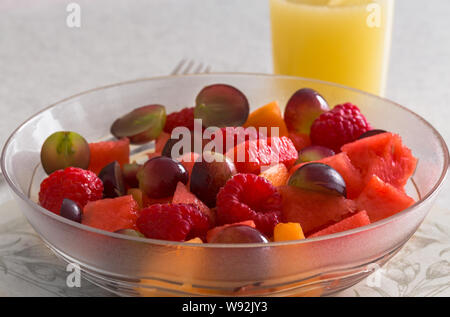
(218, 173)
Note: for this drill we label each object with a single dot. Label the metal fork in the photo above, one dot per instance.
(189, 66)
(184, 67)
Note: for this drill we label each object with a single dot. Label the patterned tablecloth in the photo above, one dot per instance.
(29, 268)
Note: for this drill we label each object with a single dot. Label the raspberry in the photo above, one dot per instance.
(249, 197)
(182, 118)
(175, 222)
(73, 183)
(341, 125)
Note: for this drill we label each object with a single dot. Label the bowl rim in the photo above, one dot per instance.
(80, 226)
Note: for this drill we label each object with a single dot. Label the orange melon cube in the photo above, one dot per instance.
(278, 175)
(288, 232)
(268, 116)
(195, 240)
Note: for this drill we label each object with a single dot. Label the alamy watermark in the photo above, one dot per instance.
(374, 17)
(73, 279)
(236, 143)
(73, 19)
(374, 279)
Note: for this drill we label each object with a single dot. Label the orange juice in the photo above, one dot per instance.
(342, 41)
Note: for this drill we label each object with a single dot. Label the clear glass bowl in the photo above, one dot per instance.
(136, 266)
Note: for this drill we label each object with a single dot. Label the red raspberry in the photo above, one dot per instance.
(249, 197)
(73, 183)
(182, 118)
(341, 125)
(175, 222)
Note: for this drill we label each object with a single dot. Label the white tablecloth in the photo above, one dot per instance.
(42, 61)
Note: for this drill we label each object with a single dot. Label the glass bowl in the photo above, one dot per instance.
(137, 266)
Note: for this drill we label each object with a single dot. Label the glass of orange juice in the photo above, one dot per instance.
(342, 41)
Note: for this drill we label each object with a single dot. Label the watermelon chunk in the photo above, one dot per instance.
(383, 155)
(382, 200)
(112, 214)
(183, 196)
(355, 221)
(314, 211)
(250, 156)
(351, 175)
(103, 153)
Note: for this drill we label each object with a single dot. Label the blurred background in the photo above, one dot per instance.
(42, 60)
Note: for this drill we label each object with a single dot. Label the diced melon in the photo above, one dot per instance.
(355, 221)
(105, 152)
(183, 196)
(112, 214)
(195, 240)
(288, 232)
(383, 155)
(277, 175)
(382, 200)
(314, 211)
(268, 116)
(342, 164)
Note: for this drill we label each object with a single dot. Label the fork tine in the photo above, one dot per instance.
(188, 67)
(177, 69)
(207, 69)
(199, 68)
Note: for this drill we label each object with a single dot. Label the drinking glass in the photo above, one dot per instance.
(342, 41)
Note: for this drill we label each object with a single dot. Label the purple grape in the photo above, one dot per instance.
(239, 234)
(158, 178)
(313, 153)
(320, 178)
(70, 210)
(371, 133)
(141, 125)
(112, 178)
(64, 149)
(305, 106)
(209, 174)
(220, 106)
